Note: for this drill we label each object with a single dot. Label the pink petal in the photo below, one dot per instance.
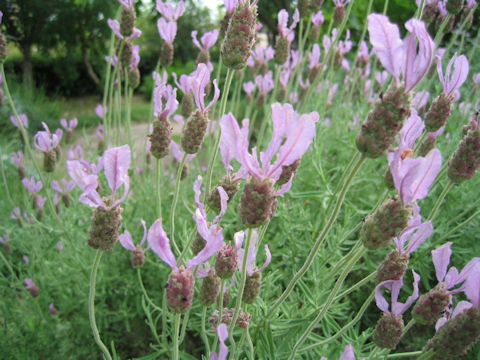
(202, 225)
(441, 259)
(91, 197)
(126, 240)
(422, 234)
(223, 204)
(400, 308)
(348, 353)
(116, 162)
(160, 244)
(382, 304)
(268, 260)
(213, 245)
(472, 288)
(386, 42)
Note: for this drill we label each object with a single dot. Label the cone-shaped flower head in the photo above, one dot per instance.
(389, 328)
(401, 57)
(286, 35)
(431, 305)
(138, 253)
(413, 176)
(466, 159)
(396, 262)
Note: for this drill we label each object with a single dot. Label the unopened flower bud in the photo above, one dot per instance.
(3, 48)
(303, 8)
(198, 244)
(466, 159)
(339, 14)
(49, 160)
(337, 59)
(194, 132)
(184, 172)
(166, 54)
(203, 57)
(104, 228)
(160, 137)
(32, 287)
(281, 94)
(133, 77)
(430, 307)
(240, 36)
(393, 267)
(282, 50)
(227, 315)
(253, 284)
(126, 56)
(430, 12)
(456, 336)
(383, 123)
(388, 331)
(138, 257)
(52, 309)
(227, 262)
(210, 289)
(257, 205)
(288, 171)
(439, 112)
(180, 289)
(187, 105)
(383, 225)
(22, 173)
(230, 186)
(261, 96)
(312, 75)
(243, 319)
(454, 6)
(127, 21)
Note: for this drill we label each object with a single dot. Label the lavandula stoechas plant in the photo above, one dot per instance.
(167, 28)
(431, 306)
(412, 178)
(138, 252)
(399, 58)
(206, 42)
(286, 36)
(106, 220)
(441, 107)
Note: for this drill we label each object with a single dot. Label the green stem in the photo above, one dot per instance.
(329, 301)
(91, 305)
(406, 354)
(408, 326)
(175, 200)
(203, 331)
(220, 310)
(241, 286)
(106, 89)
(223, 105)
(184, 326)
(4, 179)
(440, 199)
(251, 353)
(456, 228)
(7, 264)
(158, 168)
(321, 237)
(139, 273)
(346, 327)
(427, 355)
(175, 337)
(164, 318)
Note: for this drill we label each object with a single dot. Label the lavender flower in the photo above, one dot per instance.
(116, 28)
(47, 143)
(170, 11)
(222, 332)
(389, 328)
(431, 305)
(207, 41)
(265, 85)
(22, 118)
(67, 187)
(138, 253)
(31, 287)
(69, 127)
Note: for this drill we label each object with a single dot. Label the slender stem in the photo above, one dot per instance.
(220, 310)
(187, 246)
(203, 332)
(459, 226)
(356, 286)
(408, 326)
(440, 199)
(243, 279)
(184, 326)
(427, 355)
(164, 318)
(106, 90)
(139, 273)
(251, 353)
(158, 168)
(223, 105)
(175, 200)
(175, 337)
(321, 237)
(346, 327)
(91, 305)
(4, 179)
(406, 354)
(329, 301)
(7, 264)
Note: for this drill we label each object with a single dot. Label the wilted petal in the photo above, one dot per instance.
(285, 187)
(441, 259)
(160, 244)
(126, 240)
(268, 260)
(223, 204)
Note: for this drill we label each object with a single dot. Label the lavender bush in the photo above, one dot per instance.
(313, 179)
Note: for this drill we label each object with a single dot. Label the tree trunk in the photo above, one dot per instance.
(27, 65)
(90, 71)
